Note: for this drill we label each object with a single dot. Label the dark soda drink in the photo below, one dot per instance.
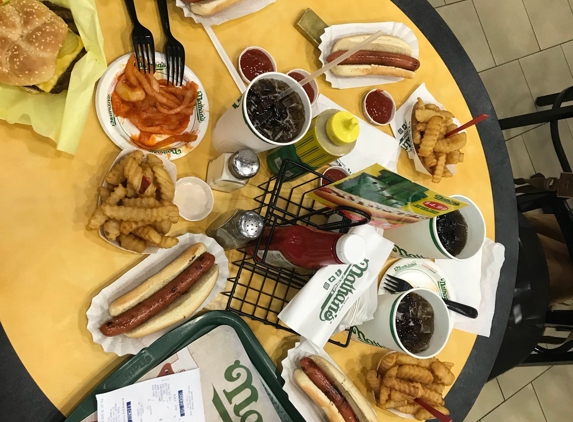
(452, 232)
(415, 322)
(278, 120)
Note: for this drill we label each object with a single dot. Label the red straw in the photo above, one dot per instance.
(436, 413)
(472, 122)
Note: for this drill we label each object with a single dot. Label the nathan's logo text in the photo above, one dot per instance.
(247, 393)
(365, 339)
(404, 253)
(200, 113)
(342, 288)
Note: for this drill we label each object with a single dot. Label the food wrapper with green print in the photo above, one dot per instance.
(390, 199)
(319, 308)
(62, 117)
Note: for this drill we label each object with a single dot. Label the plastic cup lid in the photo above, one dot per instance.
(351, 249)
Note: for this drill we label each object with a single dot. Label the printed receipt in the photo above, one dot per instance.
(170, 398)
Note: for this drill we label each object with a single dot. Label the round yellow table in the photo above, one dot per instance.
(52, 266)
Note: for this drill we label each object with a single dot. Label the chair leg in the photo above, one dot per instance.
(546, 100)
(536, 118)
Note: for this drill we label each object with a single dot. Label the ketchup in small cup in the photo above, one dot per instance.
(255, 61)
(379, 107)
(334, 173)
(310, 88)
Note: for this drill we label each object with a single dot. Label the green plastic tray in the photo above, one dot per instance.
(179, 338)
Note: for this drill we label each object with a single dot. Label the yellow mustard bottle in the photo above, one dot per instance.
(332, 135)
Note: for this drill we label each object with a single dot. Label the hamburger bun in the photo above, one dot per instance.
(360, 405)
(182, 308)
(387, 43)
(31, 36)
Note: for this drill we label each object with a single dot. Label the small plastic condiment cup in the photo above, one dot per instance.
(194, 198)
(254, 48)
(324, 182)
(312, 83)
(365, 111)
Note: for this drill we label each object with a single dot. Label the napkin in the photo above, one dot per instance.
(62, 117)
(238, 10)
(319, 307)
(475, 281)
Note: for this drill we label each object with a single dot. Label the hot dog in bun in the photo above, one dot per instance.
(386, 55)
(332, 391)
(166, 298)
(209, 7)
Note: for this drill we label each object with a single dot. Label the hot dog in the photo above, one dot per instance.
(209, 7)
(333, 391)
(387, 55)
(164, 298)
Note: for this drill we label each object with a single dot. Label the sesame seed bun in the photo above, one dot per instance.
(31, 36)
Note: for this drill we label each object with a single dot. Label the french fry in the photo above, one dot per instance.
(133, 173)
(140, 214)
(415, 373)
(99, 217)
(127, 227)
(132, 243)
(164, 183)
(431, 396)
(395, 395)
(384, 395)
(424, 115)
(104, 193)
(439, 169)
(422, 414)
(436, 386)
(111, 229)
(446, 145)
(116, 174)
(392, 404)
(442, 373)
(387, 362)
(162, 226)
(413, 389)
(453, 157)
(373, 381)
(153, 161)
(142, 202)
(409, 409)
(431, 135)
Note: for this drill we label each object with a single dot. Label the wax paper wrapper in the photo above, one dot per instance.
(335, 32)
(372, 146)
(171, 170)
(238, 10)
(62, 117)
(402, 126)
(475, 281)
(98, 312)
(318, 308)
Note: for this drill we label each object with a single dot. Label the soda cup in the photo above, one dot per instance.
(235, 129)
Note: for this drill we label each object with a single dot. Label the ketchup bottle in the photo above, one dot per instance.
(309, 248)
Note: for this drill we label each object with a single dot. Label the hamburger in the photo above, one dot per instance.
(330, 389)
(39, 45)
(387, 56)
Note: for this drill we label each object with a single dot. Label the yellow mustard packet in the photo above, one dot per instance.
(62, 117)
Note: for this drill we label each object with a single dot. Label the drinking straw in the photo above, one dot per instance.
(472, 122)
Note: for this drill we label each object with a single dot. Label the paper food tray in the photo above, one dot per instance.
(171, 169)
(98, 312)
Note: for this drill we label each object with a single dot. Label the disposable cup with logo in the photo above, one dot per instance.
(382, 330)
(235, 129)
(421, 240)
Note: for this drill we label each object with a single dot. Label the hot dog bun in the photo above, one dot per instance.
(400, 55)
(210, 7)
(158, 281)
(182, 308)
(360, 405)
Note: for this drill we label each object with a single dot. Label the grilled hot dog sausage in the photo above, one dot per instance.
(320, 379)
(379, 58)
(154, 304)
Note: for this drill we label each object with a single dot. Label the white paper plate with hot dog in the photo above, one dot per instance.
(388, 59)
(158, 294)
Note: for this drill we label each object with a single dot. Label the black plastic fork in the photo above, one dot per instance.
(142, 40)
(396, 285)
(174, 51)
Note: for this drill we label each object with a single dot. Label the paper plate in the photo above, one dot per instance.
(98, 312)
(120, 130)
(171, 170)
(334, 32)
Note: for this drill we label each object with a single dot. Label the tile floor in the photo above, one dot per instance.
(522, 49)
